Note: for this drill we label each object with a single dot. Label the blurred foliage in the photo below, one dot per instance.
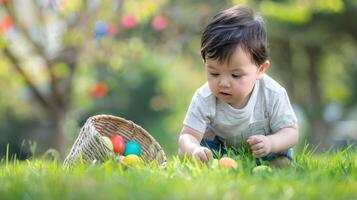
(146, 64)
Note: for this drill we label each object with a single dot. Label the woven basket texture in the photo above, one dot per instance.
(90, 147)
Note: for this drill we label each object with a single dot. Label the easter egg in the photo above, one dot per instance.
(261, 168)
(227, 163)
(118, 144)
(107, 142)
(132, 147)
(133, 160)
(213, 164)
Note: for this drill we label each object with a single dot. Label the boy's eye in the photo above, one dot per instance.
(214, 74)
(236, 76)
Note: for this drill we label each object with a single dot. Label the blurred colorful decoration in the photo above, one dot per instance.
(5, 1)
(129, 21)
(143, 10)
(159, 23)
(6, 24)
(68, 6)
(100, 90)
(101, 29)
(113, 30)
(60, 4)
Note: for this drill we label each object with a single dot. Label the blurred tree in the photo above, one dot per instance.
(30, 30)
(306, 39)
(45, 42)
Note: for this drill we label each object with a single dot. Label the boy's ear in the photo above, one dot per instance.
(262, 68)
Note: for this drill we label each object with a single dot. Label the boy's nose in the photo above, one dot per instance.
(224, 82)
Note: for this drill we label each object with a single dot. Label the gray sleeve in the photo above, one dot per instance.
(282, 113)
(197, 114)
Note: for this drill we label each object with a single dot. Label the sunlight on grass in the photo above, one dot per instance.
(331, 175)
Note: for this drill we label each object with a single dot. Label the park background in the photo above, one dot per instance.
(62, 61)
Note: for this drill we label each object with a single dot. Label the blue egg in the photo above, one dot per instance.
(132, 147)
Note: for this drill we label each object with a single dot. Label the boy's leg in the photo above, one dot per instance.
(280, 160)
(211, 141)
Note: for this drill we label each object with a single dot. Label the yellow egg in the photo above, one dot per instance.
(133, 160)
(228, 163)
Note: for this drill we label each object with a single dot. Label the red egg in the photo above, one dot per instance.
(118, 144)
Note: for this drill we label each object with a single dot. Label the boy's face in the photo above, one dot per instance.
(233, 82)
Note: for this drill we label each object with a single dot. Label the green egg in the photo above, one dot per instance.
(213, 163)
(262, 169)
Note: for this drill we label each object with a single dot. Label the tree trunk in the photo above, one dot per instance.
(59, 139)
(287, 66)
(319, 133)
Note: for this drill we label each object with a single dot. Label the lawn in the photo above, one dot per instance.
(330, 175)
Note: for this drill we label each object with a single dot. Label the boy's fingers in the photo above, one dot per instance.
(200, 156)
(208, 154)
(257, 146)
(252, 140)
(203, 157)
(259, 153)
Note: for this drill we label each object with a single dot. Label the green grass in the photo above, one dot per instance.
(328, 176)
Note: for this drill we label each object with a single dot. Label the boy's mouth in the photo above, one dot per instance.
(224, 94)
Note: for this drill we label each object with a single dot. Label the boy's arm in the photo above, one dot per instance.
(284, 139)
(280, 141)
(189, 144)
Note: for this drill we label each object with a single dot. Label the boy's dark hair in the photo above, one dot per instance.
(232, 28)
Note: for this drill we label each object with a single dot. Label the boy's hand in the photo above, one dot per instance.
(260, 144)
(202, 154)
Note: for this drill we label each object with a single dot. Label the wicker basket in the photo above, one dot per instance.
(90, 147)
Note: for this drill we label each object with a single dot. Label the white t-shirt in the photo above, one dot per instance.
(267, 111)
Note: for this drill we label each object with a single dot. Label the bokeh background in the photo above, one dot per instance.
(62, 61)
